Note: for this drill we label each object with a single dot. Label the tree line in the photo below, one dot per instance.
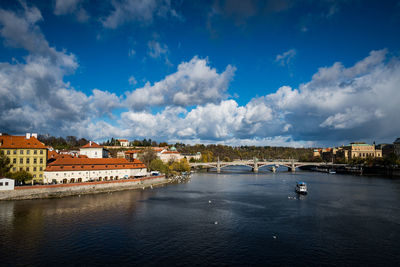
(230, 153)
(70, 142)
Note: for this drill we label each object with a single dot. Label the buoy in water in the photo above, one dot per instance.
(216, 223)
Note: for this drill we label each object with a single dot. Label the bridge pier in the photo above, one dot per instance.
(255, 166)
(218, 166)
(273, 169)
(293, 168)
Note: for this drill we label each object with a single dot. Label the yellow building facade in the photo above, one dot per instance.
(360, 150)
(26, 153)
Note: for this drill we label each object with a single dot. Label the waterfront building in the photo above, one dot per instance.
(6, 184)
(387, 149)
(163, 153)
(188, 157)
(72, 170)
(26, 153)
(317, 152)
(359, 150)
(123, 142)
(93, 150)
(396, 145)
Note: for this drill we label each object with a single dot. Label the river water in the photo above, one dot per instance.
(235, 218)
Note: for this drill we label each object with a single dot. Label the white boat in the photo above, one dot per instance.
(301, 188)
(332, 171)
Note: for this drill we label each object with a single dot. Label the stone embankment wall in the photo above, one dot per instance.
(63, 190)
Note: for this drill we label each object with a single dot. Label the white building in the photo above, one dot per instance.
(167, 156)
(6, 184)
(72, 170)
(123, 142)
(93, 150)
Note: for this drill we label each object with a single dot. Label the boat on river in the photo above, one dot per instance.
(301, 188)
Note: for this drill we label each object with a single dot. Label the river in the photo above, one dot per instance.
(234, 218)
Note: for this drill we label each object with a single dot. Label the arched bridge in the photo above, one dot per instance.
(255, 164)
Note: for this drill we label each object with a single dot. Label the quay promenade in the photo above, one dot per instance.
(63, 190)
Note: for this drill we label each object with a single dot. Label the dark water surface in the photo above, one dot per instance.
(253, 219)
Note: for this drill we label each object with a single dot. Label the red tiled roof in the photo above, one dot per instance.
(92, 145)
(13, 141)
(123, 140)
(85, 164)
(52, 154)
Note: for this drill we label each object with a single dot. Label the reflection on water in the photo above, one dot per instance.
(231, 218)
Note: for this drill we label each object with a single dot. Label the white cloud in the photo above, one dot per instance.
(34, 95)
(156, 50)
(132, 80)
(131, 52)
(285, 58)
(143, 11)
(344, 103)
(64, 7)
(194, 83)
(225, 120)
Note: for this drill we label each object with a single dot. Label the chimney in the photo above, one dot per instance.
(28, 135)
(34, 135)
(90, 143)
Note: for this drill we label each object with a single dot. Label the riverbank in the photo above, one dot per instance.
(64, 190)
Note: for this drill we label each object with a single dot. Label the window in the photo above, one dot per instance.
(28, 160)
(21, 152)
(6, 183)
(20, 169)
(27, 169)
(40, 176)
(21, 160)
(1, 183)
(41, 169)
(34, 161)
(28, 152)
(35, 152)
(14, 160)
(34, 176)
(14, 152)
(41, 160)
(41, 152)
(8, 152)
(34, 169)
(14, 169)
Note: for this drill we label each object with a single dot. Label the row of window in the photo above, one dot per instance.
(27, 161)
(21, 152)
(5, 183)
(28, 169)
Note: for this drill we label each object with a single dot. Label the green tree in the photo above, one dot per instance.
(157, 165)
(180, 166)
(21, 176)
(5, 165)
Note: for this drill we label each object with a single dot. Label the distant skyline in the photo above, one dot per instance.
(269, 73)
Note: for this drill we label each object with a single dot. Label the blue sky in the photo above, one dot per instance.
(293, 73)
